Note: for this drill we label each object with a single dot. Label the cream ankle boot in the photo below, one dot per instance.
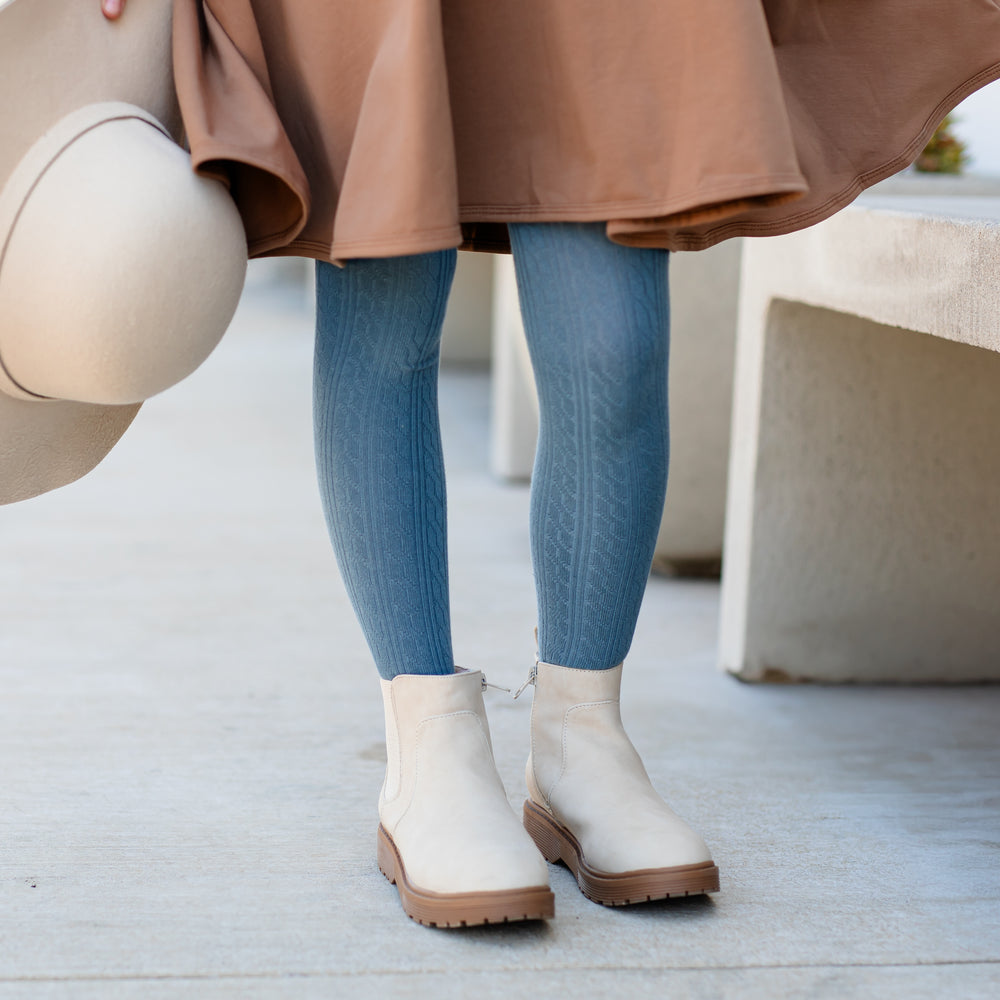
(591, 802)
(448, 838)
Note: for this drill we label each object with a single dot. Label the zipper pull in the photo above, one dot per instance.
(496, 687)
(532, 677)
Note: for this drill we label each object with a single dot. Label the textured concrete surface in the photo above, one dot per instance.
(190, 750)
(861, 536)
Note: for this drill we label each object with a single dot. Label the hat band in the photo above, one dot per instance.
(27, 175)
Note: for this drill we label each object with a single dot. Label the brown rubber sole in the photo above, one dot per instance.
(615, 888)
(460, 909)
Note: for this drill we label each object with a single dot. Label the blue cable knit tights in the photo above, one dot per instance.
(596, 315)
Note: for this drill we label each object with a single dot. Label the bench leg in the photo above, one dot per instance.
(863, 536)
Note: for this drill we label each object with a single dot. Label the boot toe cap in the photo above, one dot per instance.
(639, 841)
(476, 867)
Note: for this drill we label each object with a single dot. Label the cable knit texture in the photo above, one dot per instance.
(597, 318)
(597, 321)
(378, 451)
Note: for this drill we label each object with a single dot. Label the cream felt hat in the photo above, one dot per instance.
(120, 269)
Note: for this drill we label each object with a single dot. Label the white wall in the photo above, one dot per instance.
(978, 125)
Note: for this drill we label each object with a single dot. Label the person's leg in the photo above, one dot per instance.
(378, 451)
(597, 320)
(449, 842)
(596, 316)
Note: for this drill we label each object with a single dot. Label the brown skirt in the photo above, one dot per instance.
(373, 128)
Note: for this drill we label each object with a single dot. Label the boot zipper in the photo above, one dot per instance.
(496, 687)
(532, 677)
(515, 694)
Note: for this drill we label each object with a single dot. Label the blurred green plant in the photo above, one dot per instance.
(944, 154)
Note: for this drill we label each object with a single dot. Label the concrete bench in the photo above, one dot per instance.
(703, 289)
(863, 512)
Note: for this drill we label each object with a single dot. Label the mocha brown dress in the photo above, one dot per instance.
(373, 128)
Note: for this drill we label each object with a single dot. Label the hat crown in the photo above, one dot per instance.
(119, 267)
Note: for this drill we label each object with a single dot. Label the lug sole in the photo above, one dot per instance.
(615, 888)
(460, 909)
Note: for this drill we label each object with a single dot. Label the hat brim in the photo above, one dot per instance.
(45, 445)
(60, 55)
